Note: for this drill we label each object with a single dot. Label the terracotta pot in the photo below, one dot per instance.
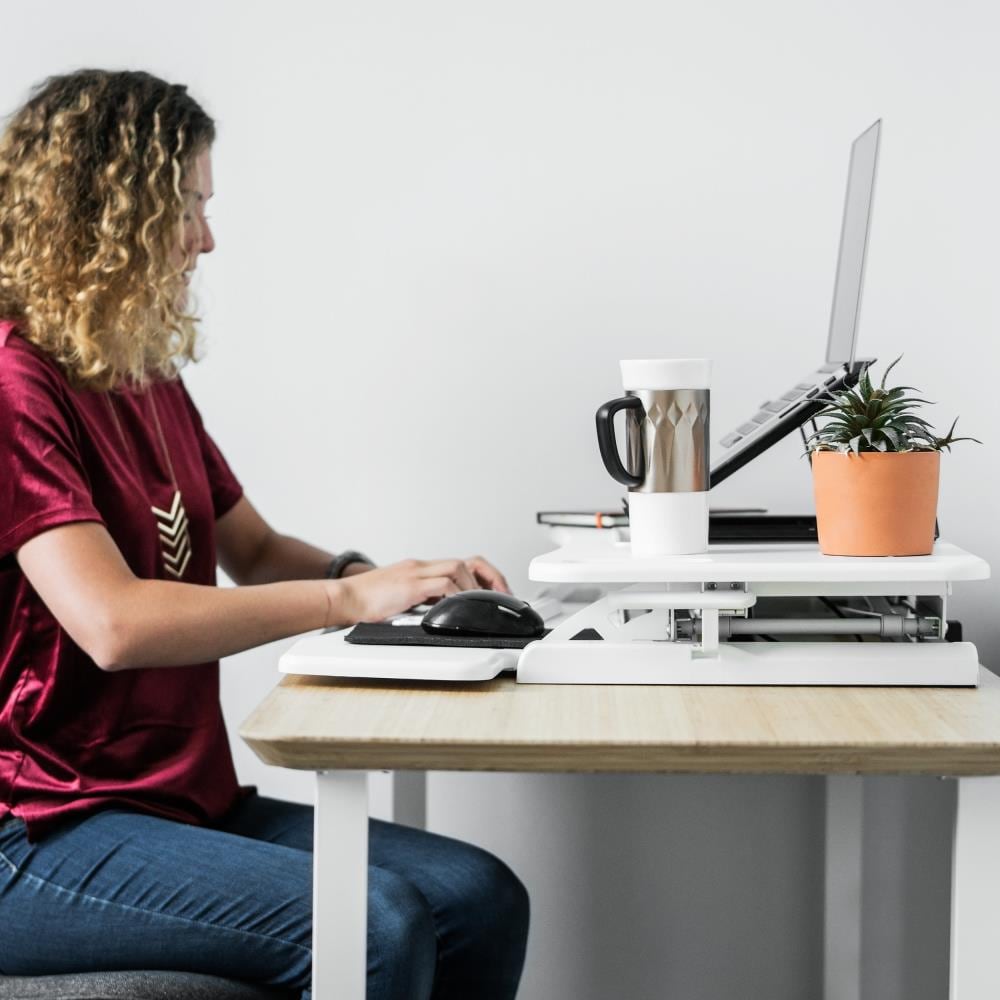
(876, 504)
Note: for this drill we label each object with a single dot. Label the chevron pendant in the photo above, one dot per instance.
(175, 536)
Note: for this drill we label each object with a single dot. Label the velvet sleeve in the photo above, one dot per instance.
(43, 482)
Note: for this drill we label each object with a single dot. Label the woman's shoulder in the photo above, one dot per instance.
(20, 357)
(27, 374)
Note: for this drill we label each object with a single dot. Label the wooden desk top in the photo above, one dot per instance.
(315, 723)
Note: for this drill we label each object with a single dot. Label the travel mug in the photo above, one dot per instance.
(666, 406)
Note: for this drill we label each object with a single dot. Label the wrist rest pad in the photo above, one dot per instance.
(366, 634)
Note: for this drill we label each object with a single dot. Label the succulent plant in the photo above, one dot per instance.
(865, 419)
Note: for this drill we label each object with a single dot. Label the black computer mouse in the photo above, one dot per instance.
(483, 612)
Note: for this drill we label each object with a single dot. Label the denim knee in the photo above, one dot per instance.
(402, 943)
(498, 901)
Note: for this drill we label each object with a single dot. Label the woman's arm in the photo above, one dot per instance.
(252, 552)
(122, 621)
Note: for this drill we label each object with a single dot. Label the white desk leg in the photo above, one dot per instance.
(975, 892)
(842, 905)
(340, 886)
(409, 798)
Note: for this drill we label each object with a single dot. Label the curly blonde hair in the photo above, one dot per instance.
(91, 211)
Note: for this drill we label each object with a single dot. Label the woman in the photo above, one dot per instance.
(121, 821)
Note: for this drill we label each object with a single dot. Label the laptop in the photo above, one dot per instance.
(785, 413)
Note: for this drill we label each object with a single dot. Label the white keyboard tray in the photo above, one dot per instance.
(328, 655)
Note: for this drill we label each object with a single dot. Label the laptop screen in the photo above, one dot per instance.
(848, 284)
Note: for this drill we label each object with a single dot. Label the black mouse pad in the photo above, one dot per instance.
(414, 635)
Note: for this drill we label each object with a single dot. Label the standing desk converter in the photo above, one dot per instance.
(343, 728)
(665, 704)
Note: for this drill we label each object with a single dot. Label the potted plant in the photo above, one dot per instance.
(876, 465)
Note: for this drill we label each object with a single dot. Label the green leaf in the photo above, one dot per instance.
(899, 390)
(889, 369)
(945, 443)
(906, 401)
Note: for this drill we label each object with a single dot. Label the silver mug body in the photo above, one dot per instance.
(667, 441)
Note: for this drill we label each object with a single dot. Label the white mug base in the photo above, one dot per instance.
(668, 524)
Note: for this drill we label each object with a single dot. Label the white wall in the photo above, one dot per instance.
(439, 227)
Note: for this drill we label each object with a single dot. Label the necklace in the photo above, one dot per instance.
(172, 525)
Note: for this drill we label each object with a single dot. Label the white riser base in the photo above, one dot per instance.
(598, 560)
(942, 664)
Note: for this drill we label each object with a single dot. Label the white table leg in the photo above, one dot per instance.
(842, 906)
(340, 886)
(975, 891)
(409, 798)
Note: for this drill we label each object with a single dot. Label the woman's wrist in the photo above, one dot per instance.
(339, 601)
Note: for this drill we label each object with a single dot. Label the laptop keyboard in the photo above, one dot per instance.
(773, 408)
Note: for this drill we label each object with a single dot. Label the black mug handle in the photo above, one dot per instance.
(606, 439)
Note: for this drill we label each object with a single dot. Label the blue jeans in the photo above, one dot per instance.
(123, 890)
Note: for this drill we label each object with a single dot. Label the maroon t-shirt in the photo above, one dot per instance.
(75, 738)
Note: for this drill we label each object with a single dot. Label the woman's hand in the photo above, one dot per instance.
(377, 594)
(488, 577)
